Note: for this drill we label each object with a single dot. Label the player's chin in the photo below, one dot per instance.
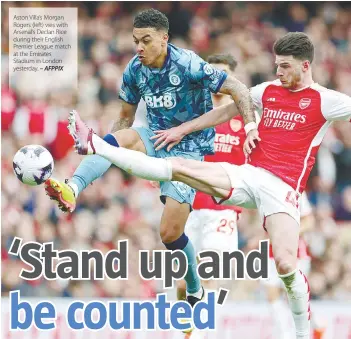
(144, 61)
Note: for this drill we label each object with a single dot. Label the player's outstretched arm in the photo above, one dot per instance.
(241, 96)
(173, 136)
(242, 105)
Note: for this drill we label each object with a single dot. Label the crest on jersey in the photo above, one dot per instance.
(208, 69)
(235, 125)
(304, 103)
(174, 79)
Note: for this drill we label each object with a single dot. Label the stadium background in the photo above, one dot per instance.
(121, 207)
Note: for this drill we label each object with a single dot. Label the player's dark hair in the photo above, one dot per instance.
(297, 44)
(151, 18)
(226, 59)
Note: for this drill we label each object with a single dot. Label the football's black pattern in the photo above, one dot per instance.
(44, 171)
(18, 172)
(24, 150)
(39, 150)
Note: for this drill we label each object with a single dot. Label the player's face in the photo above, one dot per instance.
(290, 71)
(150, 45)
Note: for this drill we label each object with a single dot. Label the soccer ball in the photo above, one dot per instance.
(33, 164)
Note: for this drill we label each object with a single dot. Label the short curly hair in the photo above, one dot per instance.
(151, 18)
(297, 44)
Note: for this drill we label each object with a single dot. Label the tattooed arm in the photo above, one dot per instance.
(126, 117)
(241, 96)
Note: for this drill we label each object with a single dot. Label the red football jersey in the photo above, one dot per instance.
(292, 127)
(229, 141)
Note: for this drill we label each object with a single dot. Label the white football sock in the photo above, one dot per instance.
(134, 162)
(298, 292)
(74, 188)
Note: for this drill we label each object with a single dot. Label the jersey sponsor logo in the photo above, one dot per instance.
(224, 142)
(227, 139)
(208, 69)
(235, 125)
(304, 103)
(223, 148)
(154, 101)
(281, 119)
(174, 79)
(287, 116)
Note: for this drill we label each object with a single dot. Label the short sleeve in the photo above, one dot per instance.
(335, 105)
(201, 72)
(256, 93)
(129, 91)
(140, 115)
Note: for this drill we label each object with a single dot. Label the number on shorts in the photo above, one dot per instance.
(226, 226)
(291, 198)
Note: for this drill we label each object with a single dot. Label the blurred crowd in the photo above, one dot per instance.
(118, 206)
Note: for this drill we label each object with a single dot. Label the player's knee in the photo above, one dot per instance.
(285, 262)
(171, 232)
(170, 235)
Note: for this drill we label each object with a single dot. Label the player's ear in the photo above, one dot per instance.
(165, 38)
(305, 65)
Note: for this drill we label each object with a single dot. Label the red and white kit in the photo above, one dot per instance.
(292, 126)
(211, 226)
(303, 256)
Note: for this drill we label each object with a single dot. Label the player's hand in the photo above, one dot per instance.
(249, 143)
(170, 137)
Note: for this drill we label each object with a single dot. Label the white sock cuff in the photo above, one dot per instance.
(74, 188)
(282, 276)
(169, 169)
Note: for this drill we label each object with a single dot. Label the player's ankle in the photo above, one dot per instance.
(73, 187)
(197, 294)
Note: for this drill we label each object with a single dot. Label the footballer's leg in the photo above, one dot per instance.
(283, 232)
(193, 230)
(91, 168)
(174, 217)
(178, 197)
(279, 308)
(210, 178)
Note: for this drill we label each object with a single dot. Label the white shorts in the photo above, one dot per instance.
(273, 278)
(254, 187)
(213, 230)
